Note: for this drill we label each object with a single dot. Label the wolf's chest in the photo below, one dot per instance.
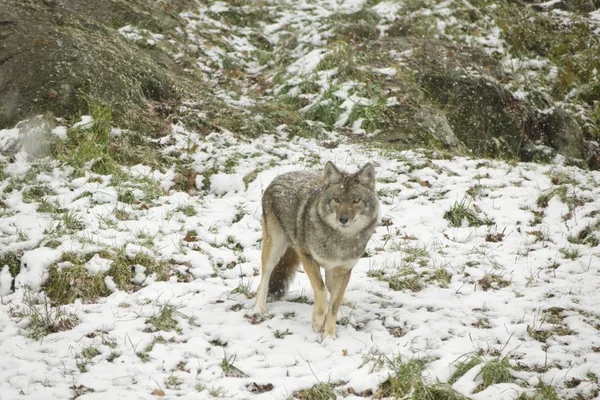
(328, 264)
(334, 253)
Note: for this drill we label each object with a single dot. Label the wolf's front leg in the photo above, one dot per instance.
(339, 282)
(316, 281)
(330, 285)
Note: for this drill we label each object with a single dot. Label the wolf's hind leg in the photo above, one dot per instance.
(329, 283)
(274, 246)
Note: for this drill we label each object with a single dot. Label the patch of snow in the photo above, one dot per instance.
(348, 105)
(219, 7)
(5, 280)
(391, 102)
(493, 42)
(387, 10)
(131, 33)
(60, 132)
(108, 195)
(547, 4)
(351, 6)
(115, 132)
(221, 184)
(9, 139)
(308, 63)
(110, 284)
(98, 264)
(520, 94)
(387, 71)
(34, 267)
(86, 122)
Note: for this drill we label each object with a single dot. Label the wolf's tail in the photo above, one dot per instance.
(283, 273)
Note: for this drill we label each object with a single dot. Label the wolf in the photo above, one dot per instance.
(323, 220)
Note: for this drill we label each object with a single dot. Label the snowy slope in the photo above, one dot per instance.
(496, 297)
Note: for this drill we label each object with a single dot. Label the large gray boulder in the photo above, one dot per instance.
(59, 56)
(563, 133)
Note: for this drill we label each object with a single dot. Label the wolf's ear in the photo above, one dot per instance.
(331, 173)
(366, 176)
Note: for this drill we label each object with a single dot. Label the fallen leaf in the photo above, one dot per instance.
(494, 237)
(80, 390)
(190, 237)
(386, 222)
(256, 388)
(366, 393)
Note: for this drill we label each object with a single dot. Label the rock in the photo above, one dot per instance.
(437, 124)
(537, 152)
(64, 56)
(563, 133)
(484, 116)
(593, 149)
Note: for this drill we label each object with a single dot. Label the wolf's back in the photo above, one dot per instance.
(287, 197)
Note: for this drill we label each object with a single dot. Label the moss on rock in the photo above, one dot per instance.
(484, 116)
(59, 59)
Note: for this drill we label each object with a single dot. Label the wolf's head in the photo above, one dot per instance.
(348, 202)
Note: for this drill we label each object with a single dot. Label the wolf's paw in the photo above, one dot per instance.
(329, 328)
(259, 310)
(329, 335)
(318, 322)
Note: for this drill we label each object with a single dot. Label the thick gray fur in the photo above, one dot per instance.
(299, 201)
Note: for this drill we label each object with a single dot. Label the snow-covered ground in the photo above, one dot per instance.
(520, 284)
(499, 280)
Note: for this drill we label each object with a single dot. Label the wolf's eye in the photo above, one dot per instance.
(336, 200)
(356, 201)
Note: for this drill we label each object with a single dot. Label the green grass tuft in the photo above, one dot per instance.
(13, 261)
(462, 211)
(90, 352)
(88, 146)
(164, 319)
(495, 371)
(36, 193)
(320, 391)
(405, 279)
(406, 382)
(441, 276)
(590, 235)
(68, 283)
(463, 366)
(545, 392)
(542, 392)
(188, 210)
(45, 319)
(122, 268)
(173, 382)
(45, 206)
(570, 253)
(229, 368)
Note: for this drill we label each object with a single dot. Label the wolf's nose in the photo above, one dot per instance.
(343, 219)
